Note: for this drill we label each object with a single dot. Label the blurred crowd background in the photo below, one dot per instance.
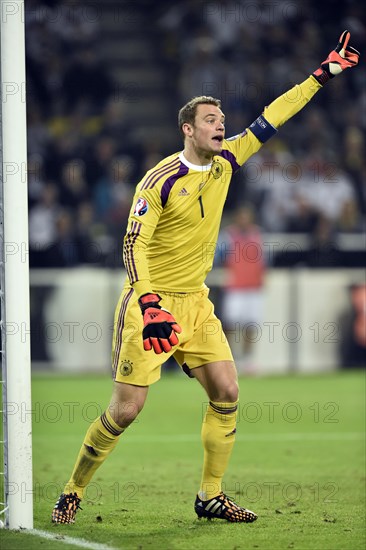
(105, 81)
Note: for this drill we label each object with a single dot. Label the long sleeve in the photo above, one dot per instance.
(244, 145)
(144, 216)
(151, 195)
(291, 102)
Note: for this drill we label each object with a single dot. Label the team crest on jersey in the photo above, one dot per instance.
(125, 367)
(141, 207)
(216, 169)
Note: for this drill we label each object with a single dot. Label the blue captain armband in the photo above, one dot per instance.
(262, 129)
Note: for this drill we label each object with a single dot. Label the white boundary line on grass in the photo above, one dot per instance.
(59, 537)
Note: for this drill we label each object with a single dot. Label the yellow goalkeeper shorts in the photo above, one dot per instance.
(202, 339)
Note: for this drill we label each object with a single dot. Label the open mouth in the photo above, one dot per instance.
(218, 138)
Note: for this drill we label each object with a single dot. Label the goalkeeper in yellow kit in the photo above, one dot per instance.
(164, 307)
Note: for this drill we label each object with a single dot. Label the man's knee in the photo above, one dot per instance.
(125, 413)
(227, 393)
(231, 393)
(126, 403)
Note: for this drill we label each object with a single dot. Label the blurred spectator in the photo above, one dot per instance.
(39, 46)
(151, 159)
(203, 73)
(315, 130)
(323, 250)
(180, 22)
(86, 225)
(36, 181)
(65, 147)
(99, 247)
(38, 135)
(99, 158)
(74, 188)
(326, 190)
(75, 22)
(75, 242)
(113, 194)
(86, 79)
(224, 20)
(241, 252)
(67, 250)
(353, 329)
(115, 121)
(43, 227)
(272, 185)
(354, 162)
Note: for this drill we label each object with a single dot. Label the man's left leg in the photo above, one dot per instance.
(218, 436)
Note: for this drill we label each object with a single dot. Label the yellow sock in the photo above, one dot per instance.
(218, 437)
(100, 440)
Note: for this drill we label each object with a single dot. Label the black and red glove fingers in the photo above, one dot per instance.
(160, 328)
(341, 58)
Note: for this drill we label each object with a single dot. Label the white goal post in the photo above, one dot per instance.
(15, 318)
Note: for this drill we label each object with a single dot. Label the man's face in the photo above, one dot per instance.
(208, 132)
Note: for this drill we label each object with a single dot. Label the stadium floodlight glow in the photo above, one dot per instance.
(18, 498)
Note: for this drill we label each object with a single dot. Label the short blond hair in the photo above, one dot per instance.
(187, 114)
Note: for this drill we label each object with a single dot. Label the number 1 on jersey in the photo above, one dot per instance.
(201, 206)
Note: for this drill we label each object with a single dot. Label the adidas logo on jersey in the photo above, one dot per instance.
(183, 193)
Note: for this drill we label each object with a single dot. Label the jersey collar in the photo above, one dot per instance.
(196, 167)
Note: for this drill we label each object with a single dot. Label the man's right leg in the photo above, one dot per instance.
(101, 438)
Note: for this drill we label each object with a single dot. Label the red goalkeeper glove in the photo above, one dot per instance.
(341, 58)
(160, 327)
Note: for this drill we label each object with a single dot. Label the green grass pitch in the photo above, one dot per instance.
(298, 463)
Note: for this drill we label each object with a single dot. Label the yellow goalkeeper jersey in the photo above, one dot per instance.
(176, 211)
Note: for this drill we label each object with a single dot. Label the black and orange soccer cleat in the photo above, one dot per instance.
(223, 507)
(65, 508)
